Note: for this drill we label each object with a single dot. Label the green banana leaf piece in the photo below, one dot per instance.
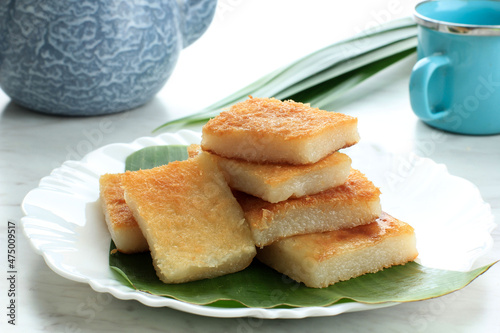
(153, 156)
(322, 76)
(263, 287)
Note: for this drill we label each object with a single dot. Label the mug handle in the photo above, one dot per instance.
(419, 87)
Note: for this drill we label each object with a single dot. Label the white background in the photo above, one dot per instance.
(246, 40)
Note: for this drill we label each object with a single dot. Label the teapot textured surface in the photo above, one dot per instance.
(89, 57)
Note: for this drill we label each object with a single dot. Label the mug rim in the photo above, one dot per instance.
(454, 28)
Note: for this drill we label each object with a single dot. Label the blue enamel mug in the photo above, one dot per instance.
(455, 84)
(91, 57)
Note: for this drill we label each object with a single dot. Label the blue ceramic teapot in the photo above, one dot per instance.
(90, 57)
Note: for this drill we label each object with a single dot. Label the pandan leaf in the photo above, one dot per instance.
(322, 76)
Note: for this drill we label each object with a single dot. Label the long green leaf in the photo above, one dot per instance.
(324, 95)
(261, 286)
(370, 51)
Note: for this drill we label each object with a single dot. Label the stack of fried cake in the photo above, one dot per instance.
(312, 216)
(268, 174)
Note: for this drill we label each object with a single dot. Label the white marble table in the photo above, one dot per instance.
(32, 144)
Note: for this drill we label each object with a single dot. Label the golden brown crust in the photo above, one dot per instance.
(275, 182)
(273, 173)
(193, 150)
(122, 226)
(288, 120)
(113, 202)
(193, 224)
(152, 184)
(321, 259)
(323, 246)
(259, 213)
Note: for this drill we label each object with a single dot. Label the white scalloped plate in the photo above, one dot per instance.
(65, 224)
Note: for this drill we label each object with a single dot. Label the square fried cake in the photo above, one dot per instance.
(278, 182)
(124, 230)
(353, 203)
(194, 226)
(269, 130)
(321, 259)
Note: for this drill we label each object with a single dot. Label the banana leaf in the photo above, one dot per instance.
(261, 286)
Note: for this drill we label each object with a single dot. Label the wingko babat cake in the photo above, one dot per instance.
(269, 179)
(194, 226)
(278, 182)
(268, 130)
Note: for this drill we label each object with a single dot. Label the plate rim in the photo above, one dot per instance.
(119, 291)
